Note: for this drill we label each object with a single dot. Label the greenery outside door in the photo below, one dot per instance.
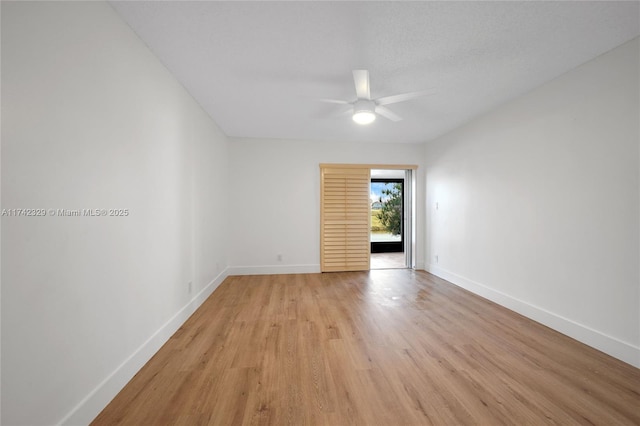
(387, 224)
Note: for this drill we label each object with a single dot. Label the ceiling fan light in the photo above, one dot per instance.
(364, 111)
(364, 117)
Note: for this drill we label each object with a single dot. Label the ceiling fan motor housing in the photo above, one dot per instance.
(364, 105)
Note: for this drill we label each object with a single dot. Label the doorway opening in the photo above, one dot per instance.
(390, 209)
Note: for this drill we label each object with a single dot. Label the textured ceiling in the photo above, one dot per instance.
(260, 68)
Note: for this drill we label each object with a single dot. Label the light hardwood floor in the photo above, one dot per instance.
(385, 347)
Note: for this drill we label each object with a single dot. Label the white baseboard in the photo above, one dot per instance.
(610, 345)
(97, 399)
(274, 269)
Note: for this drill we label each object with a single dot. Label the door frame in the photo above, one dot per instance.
(410, 206)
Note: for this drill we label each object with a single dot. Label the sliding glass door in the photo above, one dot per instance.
(387, 215)
(365, 209)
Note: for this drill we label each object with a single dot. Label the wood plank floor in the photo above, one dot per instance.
(387, 347)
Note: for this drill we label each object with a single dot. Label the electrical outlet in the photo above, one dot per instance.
(279, 257)
(437, 206)
(189, 286)
(436, 258)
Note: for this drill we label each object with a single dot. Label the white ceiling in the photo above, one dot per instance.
(260, 68)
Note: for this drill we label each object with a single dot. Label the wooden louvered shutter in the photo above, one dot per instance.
(344, 218)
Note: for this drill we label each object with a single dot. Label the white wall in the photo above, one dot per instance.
(539, 204)
(275, 199)
(91, 119)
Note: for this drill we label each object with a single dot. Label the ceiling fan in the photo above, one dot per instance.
(366, 109)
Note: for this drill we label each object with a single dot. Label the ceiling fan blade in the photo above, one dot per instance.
(361, 79)
(346, 112)
(387, 113)
(335, 101)
(402, 97)
(339, 112)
